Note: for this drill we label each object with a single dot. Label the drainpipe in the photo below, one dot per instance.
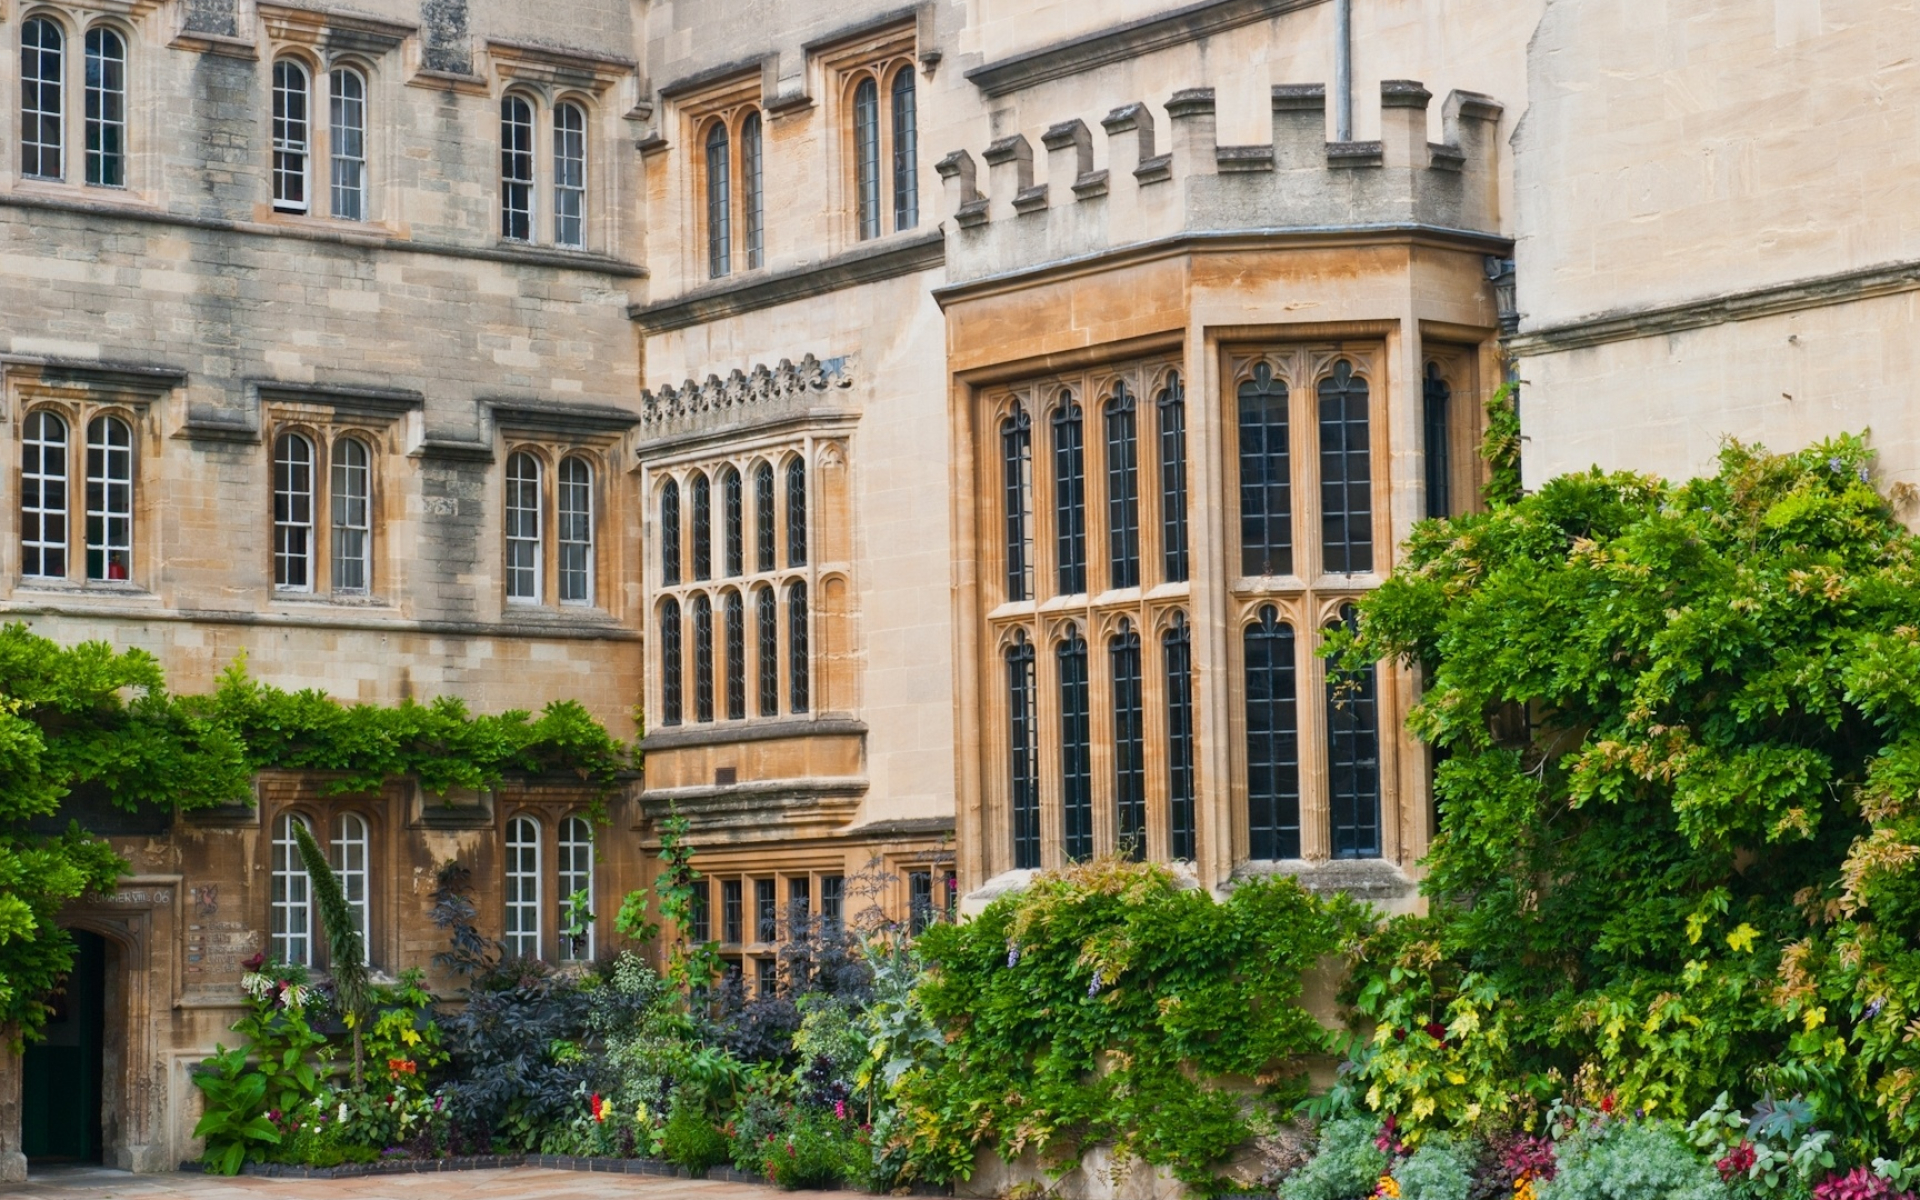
(1342, 70)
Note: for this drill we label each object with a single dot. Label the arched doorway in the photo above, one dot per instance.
(61, 1081)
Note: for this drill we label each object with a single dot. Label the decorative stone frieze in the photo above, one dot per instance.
(745, 399)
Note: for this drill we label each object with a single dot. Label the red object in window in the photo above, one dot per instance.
(116, 569)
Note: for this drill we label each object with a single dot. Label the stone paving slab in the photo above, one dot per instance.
(514, 1183)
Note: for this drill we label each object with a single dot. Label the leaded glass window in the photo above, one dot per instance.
(766, 911)
(767, 631)
(1016, 467)
(763, 519)
(733, 519)
(1172, 405)
(702, 659)
(1076, 746)
(1177, 645)
(719, 203)
(1129, 744)
(866, 155)
(670, 533)
(732, 913)
(1024, 760)
(753, 194)
(1123, 490)
(797, 513)
(1266, 476)
(736, 618)
(1346, 475)
(1436, 400)
(1273, 739)
(1069, 498)
(672, 687)
(906, 180)
(702, 526)
(1353, 757)
(799, 676)
(106, 108)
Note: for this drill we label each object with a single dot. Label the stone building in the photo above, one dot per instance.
(947, 429)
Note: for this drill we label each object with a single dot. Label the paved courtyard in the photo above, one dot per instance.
(514, 1183)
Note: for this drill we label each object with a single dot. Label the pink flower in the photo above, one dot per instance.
(840, 1109)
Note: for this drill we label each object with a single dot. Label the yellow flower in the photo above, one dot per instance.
(1741, 939)
(1389, 1188)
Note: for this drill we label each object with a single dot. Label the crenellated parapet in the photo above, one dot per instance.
(1158, 183)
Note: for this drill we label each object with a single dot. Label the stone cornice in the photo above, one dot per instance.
(869, 262)
(674, 737)
(758, 398)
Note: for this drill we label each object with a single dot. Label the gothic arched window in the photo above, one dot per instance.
(1346, 473)
(1023, 728)
(670, 533)
(766, 619)
(906, 178)
(866, 156)
(736, 621)
(702, 659)
(1266, 477)
(1273, 739)
(1123, 490)
(1069, 498)
(672, 686)
(1016, 467)
(799, 678)
(1076, 746)
(702, 526)
(1177, 646)
(1353, 757)
(797, 513)
(1172, 404)
(733, 518)
(763, 520)
(1129, 744)
(719, 203)
(752, 190)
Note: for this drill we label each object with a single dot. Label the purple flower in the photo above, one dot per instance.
(1835, 465)
(1013, 955)
(1093, 989)
(1874, 1007)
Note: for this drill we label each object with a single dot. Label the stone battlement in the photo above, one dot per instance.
(1298, 182)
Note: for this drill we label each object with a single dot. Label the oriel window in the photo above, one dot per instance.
(1123, 491)
(1177, 648)
(1023, 737)
(1353, 757)
(1346, 473)
(1016, 473)
(1273, 742)
(1266, 476)
(1129, 744)
(672, 686)
(1172, 406)
(1076, 746)
(1069, 498)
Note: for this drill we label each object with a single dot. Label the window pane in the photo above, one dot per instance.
(42, 104)
(670, 533)
(569, 175)
(752, 199)
(523, 888)
(702, 659)
(352, 516)
(906, 179)
(833, 893)
(1076, 748)
(290, 905)
(1069, 498)
(43, 497)
(576, 531)
(702, 527)
(919, 901)
(290, 136)
(1180, 791)
(1273, 746)
(766, 924)
(767, 619)
(109, 499)
(736, 658)
(1123, 491)
(763, 520)
(700, 923)
(1266, 478)
(516, 169)
(732, 914)
(1016, 470)
(1173, 480)
(106, 108)
(799, 679)
(671, 664)
(733, 517)
(866, 154)
(719, 203)
(347, 145)
(799, 905)
(1437, 400)
(1346, 474)
(1129, 747)
(1024, 739)
(1353, 759)
(576, 882)
(523, 527)
(349, 859)
(293, 512)
(797, 513)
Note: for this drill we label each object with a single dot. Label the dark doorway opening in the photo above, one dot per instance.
(60, 1092)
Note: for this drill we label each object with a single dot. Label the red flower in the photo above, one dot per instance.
(1737, 1162)
(599, 1109)
(1606, 1104)
(1437, 1031)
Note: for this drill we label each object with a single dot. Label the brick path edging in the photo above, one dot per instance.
(495, 1162)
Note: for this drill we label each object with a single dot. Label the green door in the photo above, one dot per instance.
(60, 1109)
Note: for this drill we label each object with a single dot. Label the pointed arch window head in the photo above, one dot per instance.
(1023, 736)
(1123, 490)
(1172, 406)
(672, 668)
(1266, 476)
(766, 618)
(670, 533)
(1016, 487)
(348, 855)
(109, 499)
(524, 550)
(719, 202)
(523, 888)
(290, 904)
(1273, 740)
(1353, 756)
(797, 513)
(569, 175)
(702, 659)
(1076, 746)
(753, 191)
(763, 519)
(733, 519)
(866, 155)
(906, 178)
(575, 879)
(1436, 400)
(43, 121)
(1177, 648)
(702, 526)
(347, 143)
(1346, 473)
(106, 108)
(292, 134)
(293, 513)
(43, 497)
(1069, 498)
(1129, 743)
(576, 530)
(352, 497)
(799, 673)
(736, 621)
(516, 168)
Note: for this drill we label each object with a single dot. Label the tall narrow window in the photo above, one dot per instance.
(1266, 477)
(349, 857)
(702, 526)
(1178, 647)
(1129, 745)
(352, 497)
(1076, 747)
(670, 533)
(523, 888)
(1353, 758)
(106, 108)
(736, 657)
(1173, 479)
(799, 677)
(1346, 475)
(1016, 474)
(1437, 400)
(732, 913)
(1123, 491)
(43, 497)
(569, 175)
(292, 95)
(672, 689)
(347, 143)
(293, 512)
(763, 516)
(799, 905)
(575, 877)
(733, 518)
(906, 175)
(516, 169)
(291, 903)
(700, 924)
(1024, 763)
(719, 203)
(797, 513)
(43, 127)
(702, 659)
(576, 531)
(866, 156)
(919, 901)
(752, 194)
(766, 619)
(1069, 498)
(833, 903)
(766, 911)
(523, 527)
(1273, 740)
(109, 499)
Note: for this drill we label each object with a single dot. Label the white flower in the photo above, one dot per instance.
(343, 1112)
(295, 996)
(256, 985)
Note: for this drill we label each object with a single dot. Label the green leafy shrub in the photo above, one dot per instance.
(233, 1117)
(1631, 1160)
(691, 1140)
(1346, 1164)
(816, 1150)
(1441, 1169)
